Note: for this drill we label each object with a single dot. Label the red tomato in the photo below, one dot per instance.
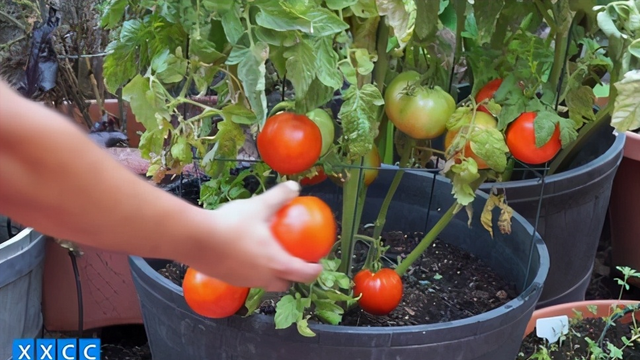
(289, 143)
(306, 228)
(320, 177)
(211, 297)
(487, 92)
(521, 140)
(483, 120)
(381, 292)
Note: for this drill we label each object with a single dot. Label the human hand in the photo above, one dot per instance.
(246, 252)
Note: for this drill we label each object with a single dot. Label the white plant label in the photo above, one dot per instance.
(552, 328)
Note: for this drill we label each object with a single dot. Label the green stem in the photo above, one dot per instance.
(427, 240)
(385, 139)
(382, 216)
(431, 236)
(13, 20)
(350, 197)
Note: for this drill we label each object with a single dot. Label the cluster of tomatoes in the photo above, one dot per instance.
(422, 113)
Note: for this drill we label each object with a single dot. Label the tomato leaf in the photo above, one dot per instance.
(328, 311)
(325, 22)
(359, 114)
(145, 102)
(151, 142)
(580, 102)
(486, 15)
(626, 113)
(238, 114)
(287, 312)
(301, 67)
(318, 95)
(486, 218)
(365, 8)
(462, 175)
(340, 4)
(181, 150)
(113, 13)
(327, 64)
(336, 295)
(460, 117)
(252, 71)
(544, 126)
(233, 28)
(330, 264)
(228, 141)
(396, 14)
(254, 299)
(427, 25)
(489, 144)
(363, 59)
(303, 328)
(169, 68)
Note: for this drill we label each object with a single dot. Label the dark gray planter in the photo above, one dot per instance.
(175, 332)
(572, 214)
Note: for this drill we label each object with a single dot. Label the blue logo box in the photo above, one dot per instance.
(56, 349)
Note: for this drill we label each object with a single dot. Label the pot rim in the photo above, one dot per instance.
(536, 285)
(567, 309)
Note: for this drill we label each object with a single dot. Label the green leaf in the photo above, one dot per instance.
(365, 9)
(459, 118)
(325, 23)
(510, 111)
(145, 102)
(181, 150)
(336, 295)
(327, 64)
(272, 15)
(317, 95)
(239, 114)
(486, 15)
(120, 65)
(301, 67)
(217, 5)
(544, 126)
(287, 312)
(251, 72)
(328, 311)
(340, 4)
(626, 113)
(238, 54)
(228, 141)
(489, 144)
(607, 25)
(204, 50)
(568, 133)
(172, 68)
(233, 28)
(396, 14)
(634, 48)
(462, 175)
(580, 102)
(363, 59)
(303, 328)
(359, 115)
(348, 71)
(151, 142)
(113, 13)
(427, 24)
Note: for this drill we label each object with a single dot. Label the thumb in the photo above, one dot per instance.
(298, 270)
(276, 197)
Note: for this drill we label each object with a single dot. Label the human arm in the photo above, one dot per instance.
(56, 180)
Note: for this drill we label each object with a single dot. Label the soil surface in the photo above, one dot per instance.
(576, 347)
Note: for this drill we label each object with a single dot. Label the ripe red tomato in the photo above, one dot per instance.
(211, 297)
(306, 228)
(487, 92)
(317, 179)
(521, 141)
(381, 291)
(289, 143)
(483, 120)
(421, 113)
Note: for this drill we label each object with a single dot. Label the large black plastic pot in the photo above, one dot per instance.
(175, 332)
(572, 213)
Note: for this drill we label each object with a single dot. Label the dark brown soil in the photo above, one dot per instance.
(450, 284)
(574, 346)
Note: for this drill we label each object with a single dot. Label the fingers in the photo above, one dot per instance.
(298, 270)
(279, 195)
(278, 286)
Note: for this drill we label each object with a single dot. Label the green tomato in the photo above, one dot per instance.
(327, 128)
(420, 112)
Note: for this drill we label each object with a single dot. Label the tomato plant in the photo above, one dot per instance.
(327, 128)
(482, 120)
(289, 143)
(380, 292)
(314, 180)
(487, 92)
(416, 110)
(371, 163)
(211, 297)
(521, 140)
(306, 228)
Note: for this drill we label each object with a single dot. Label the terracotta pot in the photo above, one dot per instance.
(603, 307)
(624, 208)
(111, 106)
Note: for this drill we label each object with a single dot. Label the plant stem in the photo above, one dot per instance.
(382, 216)
(431, 236)
(427, 240)
(350, 197)
(385, 140)
(13, 20)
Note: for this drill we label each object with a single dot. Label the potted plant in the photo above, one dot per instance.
(625, 194)
(598, 329)
(320, 52)
(21, 266)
